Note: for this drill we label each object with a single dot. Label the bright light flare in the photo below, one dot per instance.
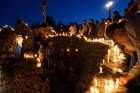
(38, 65)
(109, 4)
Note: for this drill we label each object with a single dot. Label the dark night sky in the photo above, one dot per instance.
(64, 10)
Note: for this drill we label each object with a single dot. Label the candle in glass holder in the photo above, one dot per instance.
(95, 82)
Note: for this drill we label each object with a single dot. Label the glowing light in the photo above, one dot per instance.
(94, 89)
(109, 86)
(109, 4)
(38, 65)
(76, 50)
(19, 40)
(68, 49)
(117, 83)
(103, 62)
(38, 60)
(100, 40)
(5, 26)
(26, 24)
(78, 36)
(112, 60)
(105, 86)
(26, 37)
(101, 69)
(117, 70)
(63, 34)
(121, 20)
(108, 57)
(116, 52)
(95, 82)
(12, 29)
(35, 55)
(30, 55)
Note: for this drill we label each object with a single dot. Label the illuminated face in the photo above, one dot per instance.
(120, 36)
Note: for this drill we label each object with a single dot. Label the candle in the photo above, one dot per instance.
(103, 61)
(106, 86)
(19, 40)
(26, 37)
(95, 40)
(115, 69)
(95, 82)
(108, 57)
(117, 83)
(109, 86)
(38, 65)
(38, 59)
(68, 49)
(115, 54)
(94, 89)
(63, 34)
(101, 70)
(76, 50)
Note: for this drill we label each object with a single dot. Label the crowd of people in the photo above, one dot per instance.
(124, 30)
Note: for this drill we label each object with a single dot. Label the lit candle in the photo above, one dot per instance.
(26, 37)
(76, 50)
(56, 34)
(38, 65)
(101, 70)
(60, 34)
(106, 86)
(63, 34)
(118, 51)
(117, 83)
(35, 55)
(68, 49)
(19, 40)
(108, 57)
(95, 82)
(115, 69)
(109, 86)
(94, 89)
(38, 59)
(115, 52)
(103, 61)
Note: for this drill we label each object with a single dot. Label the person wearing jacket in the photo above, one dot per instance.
(128, 35)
